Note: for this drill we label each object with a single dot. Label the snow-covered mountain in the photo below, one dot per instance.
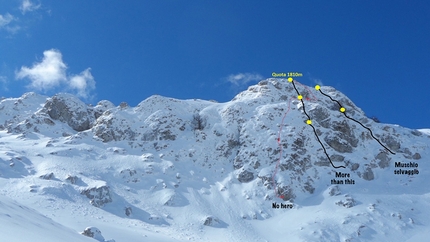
(252, 169)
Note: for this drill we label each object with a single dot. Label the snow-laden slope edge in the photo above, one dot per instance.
(198, 170)
(20, 223)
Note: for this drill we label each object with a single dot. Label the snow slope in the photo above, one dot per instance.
(20, 223)
(195, 170)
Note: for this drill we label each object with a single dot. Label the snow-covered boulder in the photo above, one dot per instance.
(211, 221)
(47, 176)
(96, 234)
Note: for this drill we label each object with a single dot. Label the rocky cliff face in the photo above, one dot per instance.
(259, 137)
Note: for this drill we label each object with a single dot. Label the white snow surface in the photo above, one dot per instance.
(195, 170)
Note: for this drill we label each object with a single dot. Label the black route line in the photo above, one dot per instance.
(340, 106)
(309, 118)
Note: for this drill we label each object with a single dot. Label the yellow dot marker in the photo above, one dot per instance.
(342, 109)
(290, 79)
(309, 121)
(317, 87)
(300, 97)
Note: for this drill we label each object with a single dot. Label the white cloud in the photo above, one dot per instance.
(6, 19)
(47, 74)
(13, 29)
(83, 83)
(3, 82)
(28, 6)
(50, 73)
(243, 78)
(317, 81)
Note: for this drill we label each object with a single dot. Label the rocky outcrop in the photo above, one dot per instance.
(69, 109)
(383, 159)
(47, 176)
(245, 176)
(96, 234)
(72, 179)
(211, 221)
(368, 174)
(98, 196)
(347, 202)
(128, 211)
(102, 107)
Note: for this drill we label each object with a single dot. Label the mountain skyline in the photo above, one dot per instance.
(374, 52)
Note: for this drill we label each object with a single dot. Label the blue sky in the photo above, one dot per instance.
(376, 52)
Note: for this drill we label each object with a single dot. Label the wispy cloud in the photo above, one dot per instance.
(3, 83)
(83, 83)
(241, 79)
(13, 24)
(317, 81)
(314, 80)
(28, 6)
(6, 19)
(50, 73)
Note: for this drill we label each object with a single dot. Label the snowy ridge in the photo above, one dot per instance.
(180, 170)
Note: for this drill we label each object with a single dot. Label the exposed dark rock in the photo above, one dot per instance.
(237, 163)
(72, 179)
(286, 193)
(344, 131)
(262, 83)
(98, 195)
(383, 159)
(232, 143)
(167, 135)
(245, 176)
(111, 128)
(335, 143)
(69, 109)
(354, 166)
(298, 143)
(334, 191)
(391, 143)
(198, 122)
(416, 156)
(284, 97)
(406, 152)
(211, 221)
(103, 133)
(322, 162)
(336, 157)
(90, 231)
(49, 122)
(123, 105)
(368, 174)
(130, 175)
(47, 176)
(96, 234)
(348, 202)
(308, 187)
(321, 115)
(266, 179)
(101, 107)
(416, 132)
(128, 211)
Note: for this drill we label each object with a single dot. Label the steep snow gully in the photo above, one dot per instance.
(279, 162)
